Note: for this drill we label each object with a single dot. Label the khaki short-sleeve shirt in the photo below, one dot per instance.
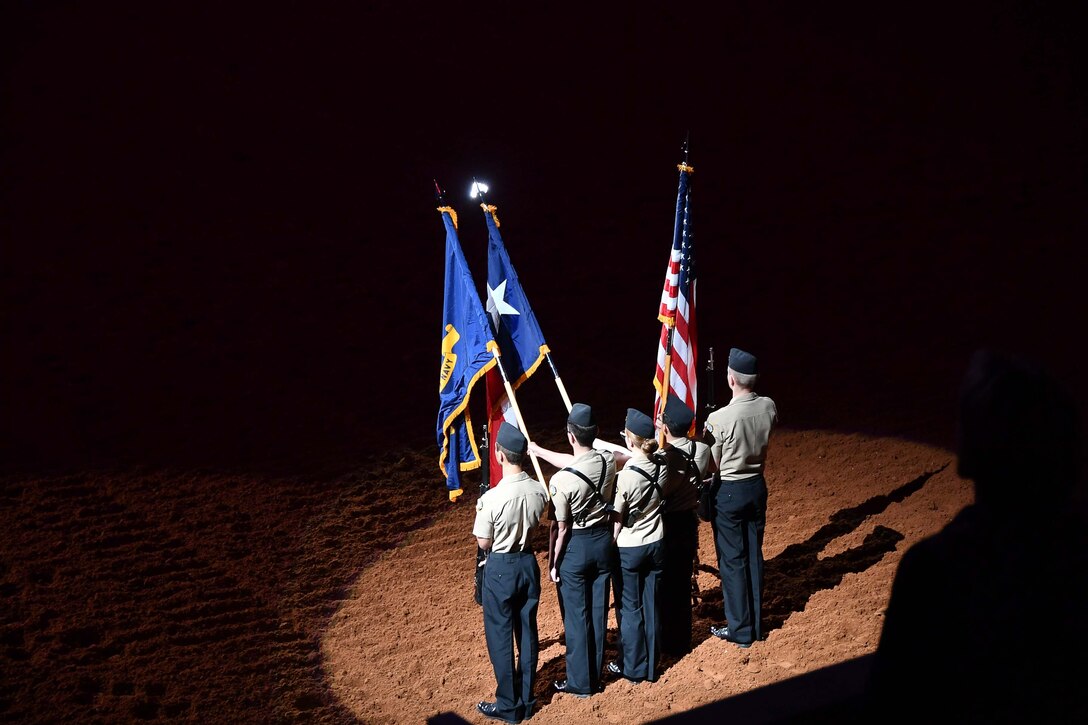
(507, 513)
(681, 494)
(573, 498)
(635, 492)
(741, 431)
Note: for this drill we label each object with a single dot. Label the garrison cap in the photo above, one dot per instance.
(581, 415)
(511, 438)
(743, 362)
(678, 413)
(639, 423)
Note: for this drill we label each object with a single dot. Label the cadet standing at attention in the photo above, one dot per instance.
(741, 430)
(689, 465)
(505, 518)
(638, 529)
(583, 551)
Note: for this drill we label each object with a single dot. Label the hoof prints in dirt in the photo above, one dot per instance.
(141, 607)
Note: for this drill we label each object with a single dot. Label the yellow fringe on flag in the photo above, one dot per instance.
(452, 213)
(463, 408)
(492, 210)
(685, 167)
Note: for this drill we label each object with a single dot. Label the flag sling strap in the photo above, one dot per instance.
(580, 517)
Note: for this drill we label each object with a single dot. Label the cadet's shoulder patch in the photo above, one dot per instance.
(480, 504)
(709, 427)
(553, 489)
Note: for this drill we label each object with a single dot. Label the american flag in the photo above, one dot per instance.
(677, 347)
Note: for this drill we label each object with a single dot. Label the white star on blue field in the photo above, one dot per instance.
(496, 304)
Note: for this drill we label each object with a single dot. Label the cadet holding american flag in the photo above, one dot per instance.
(689, 464)
(675, 408)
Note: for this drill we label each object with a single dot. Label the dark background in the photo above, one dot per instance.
(220, 248)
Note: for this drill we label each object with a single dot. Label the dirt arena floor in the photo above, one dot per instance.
(201, 597)
(221, 313)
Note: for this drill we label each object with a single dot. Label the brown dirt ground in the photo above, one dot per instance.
(206, 596)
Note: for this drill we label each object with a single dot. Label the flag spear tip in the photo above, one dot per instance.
(478, 190)
(438, 193)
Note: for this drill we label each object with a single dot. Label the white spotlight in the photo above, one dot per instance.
(477, 189)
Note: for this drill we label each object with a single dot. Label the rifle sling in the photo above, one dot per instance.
(694, 478)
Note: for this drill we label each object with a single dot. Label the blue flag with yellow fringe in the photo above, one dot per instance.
(467, 354)
(516, 329)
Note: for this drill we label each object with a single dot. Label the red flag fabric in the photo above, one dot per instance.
(498, 410)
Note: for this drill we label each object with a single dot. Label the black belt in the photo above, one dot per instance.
(510, 555)
(747, 479)
(595, 529)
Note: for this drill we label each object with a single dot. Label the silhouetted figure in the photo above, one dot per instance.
(987, 619)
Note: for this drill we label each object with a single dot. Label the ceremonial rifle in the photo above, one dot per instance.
(709, 404)
(485, 485)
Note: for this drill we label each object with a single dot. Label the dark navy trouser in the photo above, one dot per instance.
(639, 620)
(584, 573)
(681, 544)
(739, 520)
(511, 595)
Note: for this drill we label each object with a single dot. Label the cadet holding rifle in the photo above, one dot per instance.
(741, 430)
(505, 518)
(485, 486)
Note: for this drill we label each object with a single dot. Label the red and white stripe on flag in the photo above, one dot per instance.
(678, 310)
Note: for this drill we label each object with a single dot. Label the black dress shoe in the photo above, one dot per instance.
(491, 710)
(561, 686)
(723, 633)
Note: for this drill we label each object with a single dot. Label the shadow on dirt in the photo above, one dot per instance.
(791, 578)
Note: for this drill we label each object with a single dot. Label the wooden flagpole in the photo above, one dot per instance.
(521, 421)
(558, 381)
(666, 386)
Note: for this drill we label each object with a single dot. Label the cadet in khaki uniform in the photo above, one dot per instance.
(638, 529)
(741, 430)
(583, 552)
(689, 465)
(505, 518)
